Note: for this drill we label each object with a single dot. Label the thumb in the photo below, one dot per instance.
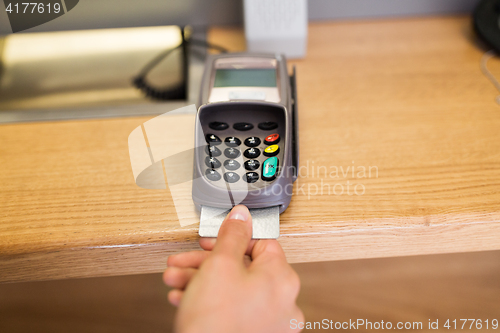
(235, 233)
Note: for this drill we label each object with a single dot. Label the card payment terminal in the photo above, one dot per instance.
(247, 134)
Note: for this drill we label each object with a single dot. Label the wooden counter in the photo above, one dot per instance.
(404, 97)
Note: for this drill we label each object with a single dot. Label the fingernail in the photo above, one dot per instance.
(212, 241)
(239, 212)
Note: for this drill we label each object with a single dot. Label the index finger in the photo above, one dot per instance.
(266, 254)
(208, 243)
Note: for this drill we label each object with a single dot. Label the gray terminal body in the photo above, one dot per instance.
(245, 113)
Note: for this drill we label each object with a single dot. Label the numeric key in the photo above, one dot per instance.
(252, 141)
(252, 165)
(251, 177)
(232, 153)
(212, 139)
(231, 177)
(252, 153)
(232, 141)
(212, 162)
(231, 165)
(212, 175)
(213, 151)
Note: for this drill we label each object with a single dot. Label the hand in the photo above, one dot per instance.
(218, 290)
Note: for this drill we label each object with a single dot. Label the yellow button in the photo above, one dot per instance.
(272, 150)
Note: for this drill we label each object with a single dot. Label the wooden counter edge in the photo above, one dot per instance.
(315, 246)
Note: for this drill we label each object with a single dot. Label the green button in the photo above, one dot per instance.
(269, 168)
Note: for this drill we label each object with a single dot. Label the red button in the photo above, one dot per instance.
(272, 139)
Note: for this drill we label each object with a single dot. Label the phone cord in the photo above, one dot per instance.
(179, 90)
(484, 68)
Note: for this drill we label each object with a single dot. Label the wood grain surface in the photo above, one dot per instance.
(404, 97)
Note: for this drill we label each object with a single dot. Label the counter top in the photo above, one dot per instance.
(401, 102)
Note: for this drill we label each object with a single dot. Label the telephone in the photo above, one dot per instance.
(486, 18)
